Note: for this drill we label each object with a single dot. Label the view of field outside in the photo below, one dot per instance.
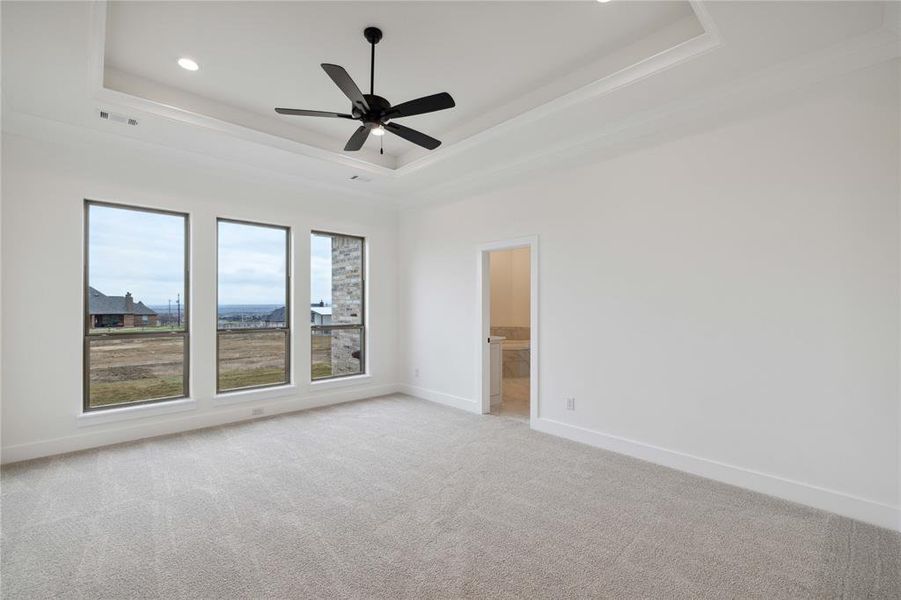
(136, 290)
(253, 296)
(252, 359)
(321, 356)
(323, 345)
(336, 299)
(137, 308)
(129, 369)
(320, 293)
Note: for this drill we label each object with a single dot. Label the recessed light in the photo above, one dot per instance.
(603, 1)
(188, 64)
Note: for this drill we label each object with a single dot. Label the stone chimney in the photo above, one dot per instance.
(129, 303)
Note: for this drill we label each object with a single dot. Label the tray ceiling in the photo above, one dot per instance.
(648, 78)
(498, 59)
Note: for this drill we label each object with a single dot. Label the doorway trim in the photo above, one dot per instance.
(483, 299)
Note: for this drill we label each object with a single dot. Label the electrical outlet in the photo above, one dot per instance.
(570, 404)
(256, 412)
(416, 373)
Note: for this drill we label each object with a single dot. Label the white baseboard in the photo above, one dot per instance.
(212, 415)
(440, 397)
(840, 503)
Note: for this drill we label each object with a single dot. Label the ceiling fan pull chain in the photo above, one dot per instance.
(382, 145)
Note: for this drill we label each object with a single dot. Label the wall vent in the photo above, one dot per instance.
(117, 118)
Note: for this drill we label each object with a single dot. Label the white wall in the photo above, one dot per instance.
(727, 303)
(44, 184)
(510, 288)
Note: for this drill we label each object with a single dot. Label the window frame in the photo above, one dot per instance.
(87, 336)
(362, 326)
(286, 329)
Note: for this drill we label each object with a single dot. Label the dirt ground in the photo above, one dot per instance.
(322, 356)
(251, 359)
(136, 369)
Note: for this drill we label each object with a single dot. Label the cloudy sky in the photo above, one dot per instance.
(251, 264)
(143, 253)
(321, 269)
(137, 252)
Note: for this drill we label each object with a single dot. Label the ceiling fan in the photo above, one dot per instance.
(374, 112)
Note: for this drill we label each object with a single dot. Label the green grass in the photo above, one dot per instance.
(137, 390)
(321, 370)
(231, 380)
(153, 388)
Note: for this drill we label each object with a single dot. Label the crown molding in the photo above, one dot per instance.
(109, 97)
(647, 67)
(48, 130)
(877, 46)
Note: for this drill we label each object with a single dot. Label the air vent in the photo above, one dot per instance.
(117, 118)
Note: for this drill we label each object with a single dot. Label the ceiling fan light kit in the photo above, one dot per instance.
(374, 112)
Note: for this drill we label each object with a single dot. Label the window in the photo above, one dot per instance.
(253, 338)
(337, 307)
(135, 306)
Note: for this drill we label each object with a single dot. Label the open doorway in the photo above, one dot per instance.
(508, 328)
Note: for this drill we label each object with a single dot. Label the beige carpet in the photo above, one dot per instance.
(400, 498)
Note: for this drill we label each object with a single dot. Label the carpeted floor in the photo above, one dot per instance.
(401, 498)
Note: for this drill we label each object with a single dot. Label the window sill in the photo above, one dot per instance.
(340, 381)
(123, 413)
(237, 396)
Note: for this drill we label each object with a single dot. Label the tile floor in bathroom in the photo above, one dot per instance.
(516, 399)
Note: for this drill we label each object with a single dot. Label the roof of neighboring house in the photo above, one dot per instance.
(277, 316)
(101, 304)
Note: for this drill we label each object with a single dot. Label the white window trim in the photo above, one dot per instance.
(267, 393)
(361, 378)
(124, 413)
(346, 381)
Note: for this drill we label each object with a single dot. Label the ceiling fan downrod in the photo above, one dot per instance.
(375, 114)
(373, 35)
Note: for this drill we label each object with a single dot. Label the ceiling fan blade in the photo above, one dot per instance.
(311, 113)
(357, 140)
(420, 106)
(347, 85)
(411, 135)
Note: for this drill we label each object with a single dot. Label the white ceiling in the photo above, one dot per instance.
(634, 85)
(258, 55)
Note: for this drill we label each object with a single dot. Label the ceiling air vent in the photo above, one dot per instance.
(360, 178)
(117, 118)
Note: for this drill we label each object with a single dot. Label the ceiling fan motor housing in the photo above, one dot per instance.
(374, 112)
(377, 107)
(373, 35)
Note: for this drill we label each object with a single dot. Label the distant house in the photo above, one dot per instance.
(119, 311)
(276, 318)
(320, 315)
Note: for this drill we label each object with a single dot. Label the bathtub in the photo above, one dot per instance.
(515, 345)
(516, 355)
